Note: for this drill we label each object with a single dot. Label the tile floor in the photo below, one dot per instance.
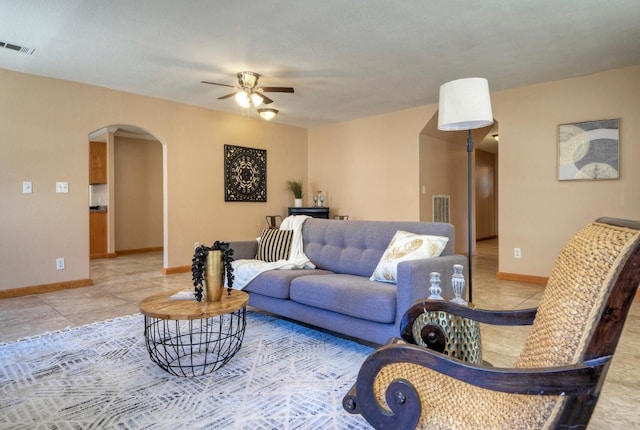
(121, 283)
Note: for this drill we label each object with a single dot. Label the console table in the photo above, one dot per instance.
(313, 211)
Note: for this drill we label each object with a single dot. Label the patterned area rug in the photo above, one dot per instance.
(285, 376)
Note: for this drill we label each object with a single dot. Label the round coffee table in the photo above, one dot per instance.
(191, 338)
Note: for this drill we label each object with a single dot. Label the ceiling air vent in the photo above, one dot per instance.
(17, 48)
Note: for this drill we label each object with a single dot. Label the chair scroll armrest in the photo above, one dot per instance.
(401, 396)
(578, 379)
(404, 400)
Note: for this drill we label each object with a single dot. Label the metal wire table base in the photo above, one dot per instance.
(194, 347)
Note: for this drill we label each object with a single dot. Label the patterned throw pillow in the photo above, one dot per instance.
(406, 246)
(274, 245)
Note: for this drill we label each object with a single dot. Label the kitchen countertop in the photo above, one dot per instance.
(98, 208)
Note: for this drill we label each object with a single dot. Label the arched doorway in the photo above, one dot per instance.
(133, 197)
(443, 173)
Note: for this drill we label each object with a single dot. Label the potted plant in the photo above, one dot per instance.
(296, 188)
(203, 274)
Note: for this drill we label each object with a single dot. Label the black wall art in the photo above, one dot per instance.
(245, 174)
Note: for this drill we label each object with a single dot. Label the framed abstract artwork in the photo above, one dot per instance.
(589, 150)
(245, 174)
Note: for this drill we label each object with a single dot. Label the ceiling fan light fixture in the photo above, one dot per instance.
(268, 113)
(248, 79)
(256, 99)
(243, 99)
(248, 92)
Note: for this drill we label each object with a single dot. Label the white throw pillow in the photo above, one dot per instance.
(407, 246)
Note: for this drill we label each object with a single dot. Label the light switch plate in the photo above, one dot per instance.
(62, 187)
(27, 187)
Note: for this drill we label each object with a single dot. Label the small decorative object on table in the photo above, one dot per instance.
(457, 284)
(296, 188)
(445, 332)
(209, 267)
(435, 287)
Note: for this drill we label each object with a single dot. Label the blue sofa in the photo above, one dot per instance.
(338, 294)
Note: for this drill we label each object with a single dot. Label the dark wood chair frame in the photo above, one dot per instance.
(273, 221)
(580, 384)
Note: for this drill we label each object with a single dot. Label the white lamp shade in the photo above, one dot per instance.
(465, 104)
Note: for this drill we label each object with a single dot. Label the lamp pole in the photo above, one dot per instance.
(465, 104)
(469, 213)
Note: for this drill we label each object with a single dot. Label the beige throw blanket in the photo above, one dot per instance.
(244, 271)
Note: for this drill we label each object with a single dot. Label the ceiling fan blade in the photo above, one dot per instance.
(266, 100)
(215, 83)
(277, 89)
(228, 95)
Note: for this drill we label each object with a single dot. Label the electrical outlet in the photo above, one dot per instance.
(59, 263)
(517, 253)
(27, 187)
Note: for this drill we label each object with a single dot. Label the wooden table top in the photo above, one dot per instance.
(163, 307)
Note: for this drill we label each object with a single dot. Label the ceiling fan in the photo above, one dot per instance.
(248, 93)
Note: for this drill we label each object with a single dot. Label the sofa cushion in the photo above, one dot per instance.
(274, 245)
(355, 247)
(351, 295)
(275, 283)
(406, 246)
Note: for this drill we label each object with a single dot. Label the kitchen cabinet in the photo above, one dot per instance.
(98, 234)
(97, 163)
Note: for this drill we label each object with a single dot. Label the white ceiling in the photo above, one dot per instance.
(345, 58)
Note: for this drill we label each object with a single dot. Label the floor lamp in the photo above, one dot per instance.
(465, 104)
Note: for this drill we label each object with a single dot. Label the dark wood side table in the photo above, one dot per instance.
(312, 211)
(191, 338)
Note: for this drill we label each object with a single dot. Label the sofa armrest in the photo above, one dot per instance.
(244, 249)
(413, 280)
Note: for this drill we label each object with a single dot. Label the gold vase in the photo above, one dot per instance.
(214, 275)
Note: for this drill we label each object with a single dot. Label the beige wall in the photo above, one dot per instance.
(537, 212)
(366, 165)
(369, 168)
(443, 170)
(138, 194)
(45, 126)
(375, 167)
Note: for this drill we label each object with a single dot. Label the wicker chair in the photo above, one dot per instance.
(556, 381)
